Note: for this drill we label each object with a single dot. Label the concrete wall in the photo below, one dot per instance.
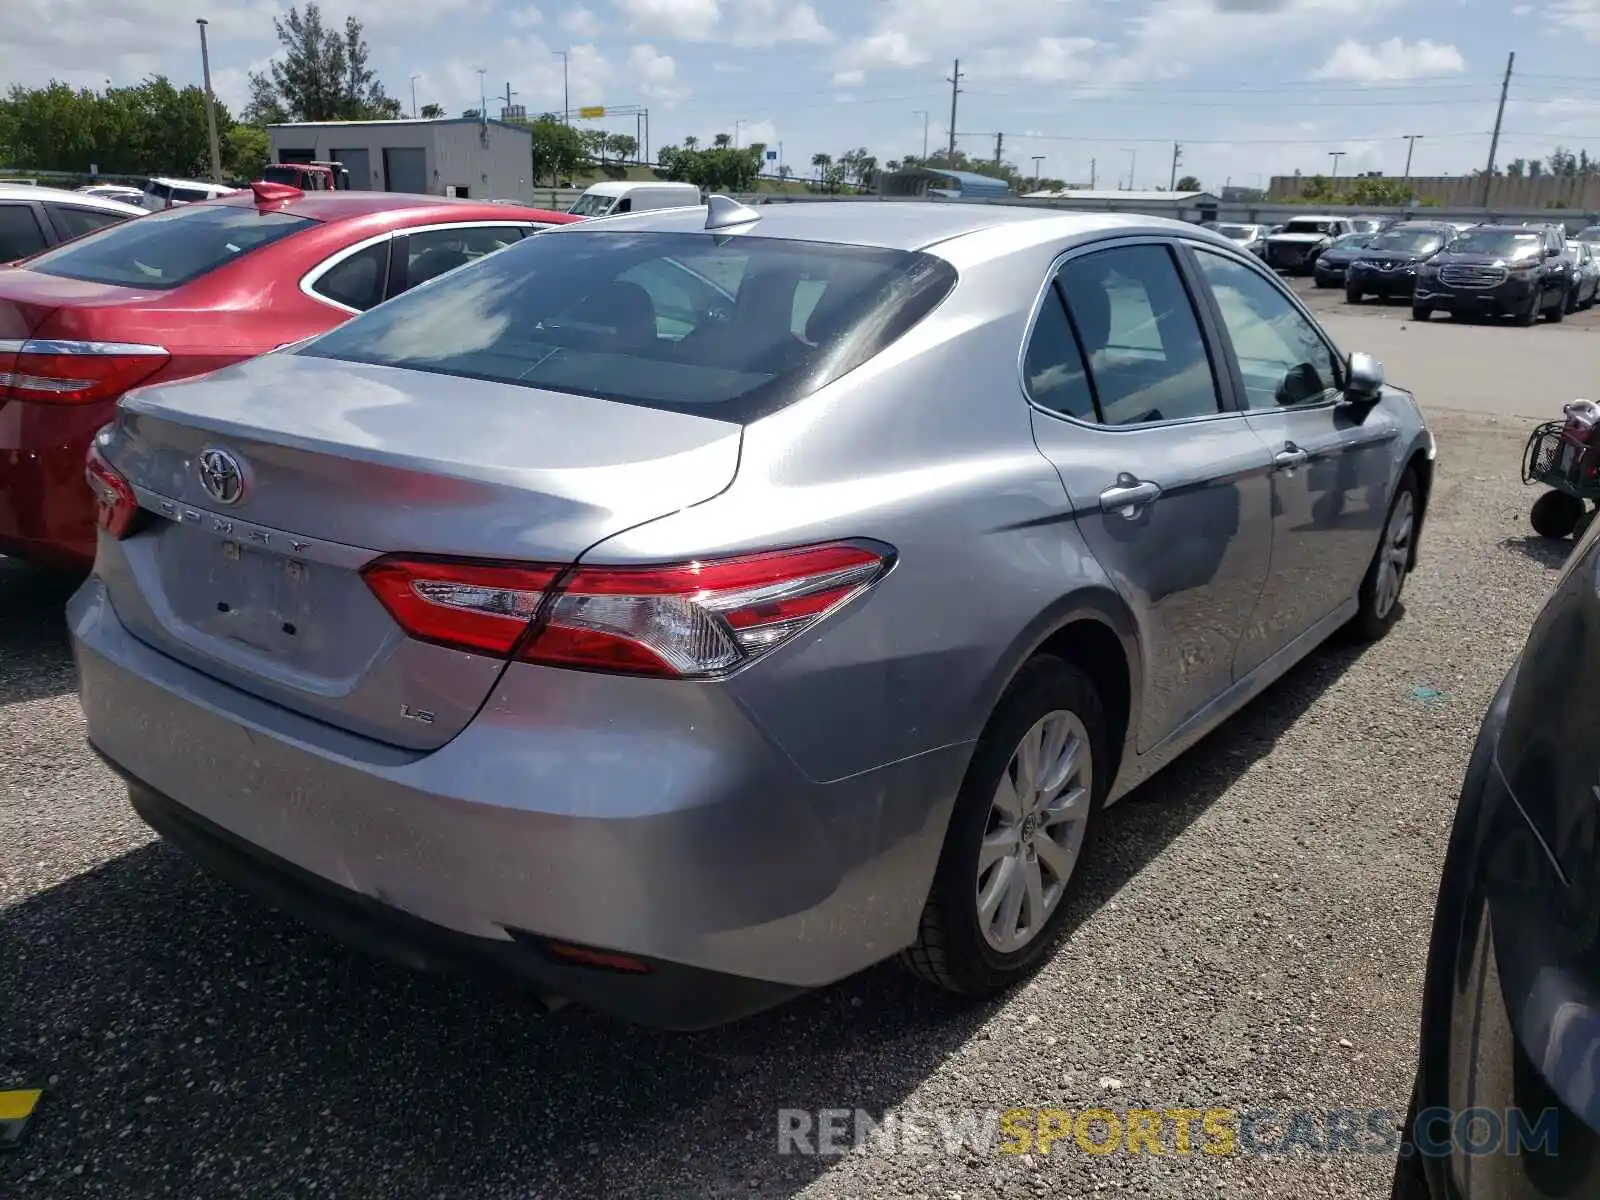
(1463, 191)
(493, 163)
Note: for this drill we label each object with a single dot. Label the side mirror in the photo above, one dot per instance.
(1363, 379)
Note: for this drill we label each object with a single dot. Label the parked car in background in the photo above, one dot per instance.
(405, 601)
(1590, 233)
(114, 191)
(1247, 237)
(1331, 263)
(1297, 247)
(612, 198)
(186, 291)
(1387, 268)
(1584, 283)
(168, 193)
(1514, 962)
(1499, 271)
(34, 218)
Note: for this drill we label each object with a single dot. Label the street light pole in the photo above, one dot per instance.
(1336, 155)
(483, 99)
(1133, 166)
(924, 115)
(1411, 145)
(1037, 159)
(211, 105)
(738, 124)
(566, 94)
(414, 79)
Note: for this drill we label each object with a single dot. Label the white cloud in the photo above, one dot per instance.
(656, 74)
(526, 17)
(746, 23)
(1580, 16)
(535, 72)
(907, 33)
(886, 48)
(580, 22)
(1391, 61)
(1053, 60)
(848, 78)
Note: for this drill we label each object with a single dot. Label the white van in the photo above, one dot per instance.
(611, 199)
(164, 193)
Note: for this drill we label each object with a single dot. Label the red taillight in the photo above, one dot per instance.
(50, 371)
(690, 621)
(115, 505)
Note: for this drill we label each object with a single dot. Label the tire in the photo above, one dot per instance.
(1571, 305)
(1558, 312)
(1555, 515)
(1352, 295)
(952, 950)
(1530, 314)
(1420, 312)
(1379, 595)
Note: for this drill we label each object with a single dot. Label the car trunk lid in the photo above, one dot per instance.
(338, 463)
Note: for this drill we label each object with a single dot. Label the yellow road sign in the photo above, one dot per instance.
(590, 112)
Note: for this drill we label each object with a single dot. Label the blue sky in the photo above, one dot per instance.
(1250, 87)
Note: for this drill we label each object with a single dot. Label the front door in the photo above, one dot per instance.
(1169, 485)
(1332, 463)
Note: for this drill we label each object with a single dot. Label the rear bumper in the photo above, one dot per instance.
(656, 822)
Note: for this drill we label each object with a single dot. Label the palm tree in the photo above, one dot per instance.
(691, 142)
(821, 162)
(722, 140)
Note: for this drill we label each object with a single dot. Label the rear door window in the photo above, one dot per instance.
(20, 232)
(169, 248)
(71, 222)
(686, 321)
(357, 281)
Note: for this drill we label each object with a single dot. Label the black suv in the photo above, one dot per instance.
(1387, 266)
(1500, 270)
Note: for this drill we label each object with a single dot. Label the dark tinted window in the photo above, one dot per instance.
(1410, 241)
(727, 327)
(20, 234)
(432, 252)
(357, 281)
(1141, 336)
(169, 248)
(280, 174)
(1282, 358)
(1302, 225)
(1507, 243)
(190, 195)
(75, 222)
(1053, 367)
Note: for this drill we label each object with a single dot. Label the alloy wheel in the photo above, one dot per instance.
(1035, 832)
(1394, 555)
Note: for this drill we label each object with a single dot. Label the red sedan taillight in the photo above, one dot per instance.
(115, 505)
(690, 621)
(52, 371)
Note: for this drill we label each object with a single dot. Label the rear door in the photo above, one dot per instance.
(1332, 464)
(1169, 483)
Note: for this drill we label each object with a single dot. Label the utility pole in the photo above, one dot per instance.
(999, 142)
(1499, 116)
(483, 100)
(1093, 177)
(1037, 159)
(566, 97)
(1177, 157)
(1336, 155)
(1411, 145)
(638, 136)
(414, 79)
(924, 115)
(738, 124)
(648, 160)
(211, 105)
(954, 80)
(509, 94)
(1133, 167)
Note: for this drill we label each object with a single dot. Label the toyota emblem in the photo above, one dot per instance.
(222, 476)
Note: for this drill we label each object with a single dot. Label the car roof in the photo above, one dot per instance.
(23, 191)
(887, 224)
(343, 206)
(624, 187)
(203, 184)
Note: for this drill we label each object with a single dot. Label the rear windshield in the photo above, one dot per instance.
(727, 327)
(1353, 241)
(1303, 226)
(1238, 233)
(276, 174)
(1503, 243)
(167, 249)
(1410, 241)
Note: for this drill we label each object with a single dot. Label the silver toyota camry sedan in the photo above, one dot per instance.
(687, 609)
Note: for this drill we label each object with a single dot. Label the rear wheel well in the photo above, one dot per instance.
(1422, 467)
(1096, 650)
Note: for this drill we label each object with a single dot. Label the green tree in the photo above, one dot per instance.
(558, 149)
(323, 74)
(432, 112)
(623, 147)
(246, 151)
(147, 129)
(1189, 183)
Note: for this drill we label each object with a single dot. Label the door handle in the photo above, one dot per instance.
(1290, 457)
(1128, 496)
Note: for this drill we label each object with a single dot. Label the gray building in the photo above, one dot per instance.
(460, 156)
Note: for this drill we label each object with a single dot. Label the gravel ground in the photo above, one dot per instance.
(1252, 935)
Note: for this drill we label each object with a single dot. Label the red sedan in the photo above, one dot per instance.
(186, 291)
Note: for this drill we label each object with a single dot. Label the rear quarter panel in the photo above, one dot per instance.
(928, 448)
